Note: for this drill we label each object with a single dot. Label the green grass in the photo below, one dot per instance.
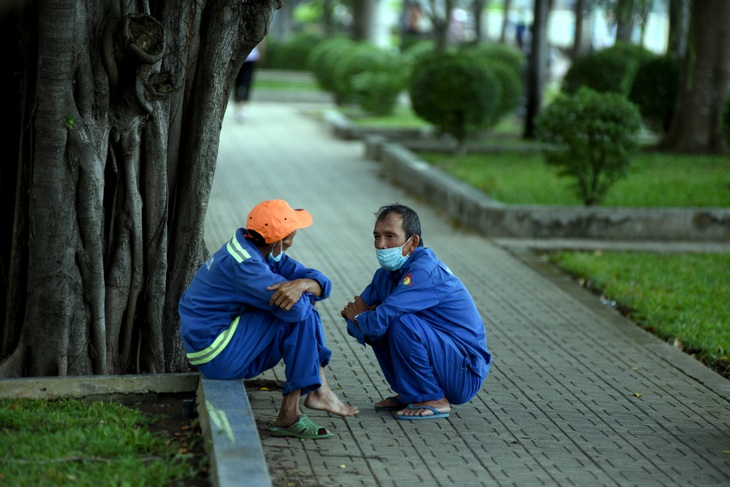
(402, 118)
(681, 298)
(654, 180)
(523, 178)
(84, 443)
(284, 84)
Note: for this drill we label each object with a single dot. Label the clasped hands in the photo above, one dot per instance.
(354, 308)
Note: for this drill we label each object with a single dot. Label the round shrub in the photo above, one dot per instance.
(323, 60)
(453, 93)
(511, 88)
(608, 70)
(591, 135)
(655, 90)
(508, 75)
(291, 54)
(415, 52)
(493, 51)
(363, 58)
(377, 91)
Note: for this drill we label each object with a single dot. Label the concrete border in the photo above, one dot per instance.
(492, 218)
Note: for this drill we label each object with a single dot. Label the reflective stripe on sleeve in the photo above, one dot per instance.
(211, 352)
(237, 251)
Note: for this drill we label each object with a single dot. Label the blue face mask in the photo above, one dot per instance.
(392, 259)
(273, 259)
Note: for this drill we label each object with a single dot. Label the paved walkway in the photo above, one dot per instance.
(577, 394)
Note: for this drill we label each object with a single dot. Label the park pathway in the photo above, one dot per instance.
(577, 394)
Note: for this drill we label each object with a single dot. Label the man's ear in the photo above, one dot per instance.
(415, 240)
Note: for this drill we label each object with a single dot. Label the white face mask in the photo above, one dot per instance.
(273, 259)
(392, 259)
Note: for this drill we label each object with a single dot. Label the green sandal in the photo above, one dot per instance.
(304, 429)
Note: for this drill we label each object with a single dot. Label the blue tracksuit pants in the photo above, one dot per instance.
(261, 341)
(422, 365)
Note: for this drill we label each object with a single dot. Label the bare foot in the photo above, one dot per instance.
(323, 399)
(440, 405)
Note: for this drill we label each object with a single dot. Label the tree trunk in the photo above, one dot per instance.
(507, 6)
(625, 20)
(128, 104)
(678, 27)
(478, 7)
(439, 13)
(578, 37)
(537, 66)
(704, 82)
(363, 16)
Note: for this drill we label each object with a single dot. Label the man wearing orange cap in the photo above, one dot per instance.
(250, 305)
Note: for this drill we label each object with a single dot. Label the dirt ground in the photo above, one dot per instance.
(177, 422)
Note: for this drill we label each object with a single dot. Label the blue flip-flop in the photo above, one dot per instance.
(400, 405)
(436, 414)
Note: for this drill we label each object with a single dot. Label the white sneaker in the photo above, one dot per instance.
(240, 117)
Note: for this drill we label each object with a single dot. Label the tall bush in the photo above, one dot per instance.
(592, 136)
(609, 70)
(323, 60)
(494, 51)
(291, 54)
(655, 90)
(507, 64)
(453, 93)
(379, 73)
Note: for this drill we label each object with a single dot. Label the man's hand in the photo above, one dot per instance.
(354, 308)
(288, 293)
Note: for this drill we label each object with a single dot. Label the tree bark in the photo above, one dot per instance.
(579, 11)
(507, 6)
(678, 27)
(625, 20)
(127, 102)
(537, 66)
(363, 15)
(704, 82)
(478, 7)
(440, 15)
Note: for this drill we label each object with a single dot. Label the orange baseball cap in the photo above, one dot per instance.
(275, 219)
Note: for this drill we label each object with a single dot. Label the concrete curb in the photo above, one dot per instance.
(492, 218)
(495, 219)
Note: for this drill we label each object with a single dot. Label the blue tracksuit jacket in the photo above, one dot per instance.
(426, 288)
(229, 292)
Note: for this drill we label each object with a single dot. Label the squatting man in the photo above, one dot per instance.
(250, 305)
(420, 321)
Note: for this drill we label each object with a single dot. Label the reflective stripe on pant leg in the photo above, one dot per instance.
(206, 355)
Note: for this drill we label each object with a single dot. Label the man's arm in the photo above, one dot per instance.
(288, 293)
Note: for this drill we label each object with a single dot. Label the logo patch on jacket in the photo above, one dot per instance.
(407, 281)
